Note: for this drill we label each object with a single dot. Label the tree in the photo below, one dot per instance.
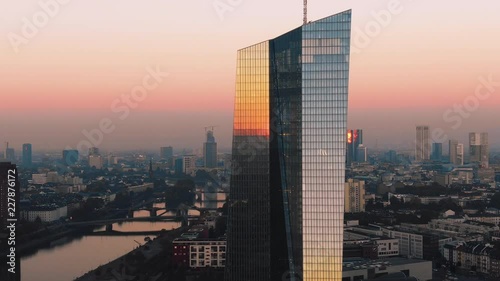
(449, 204)
(224, 207)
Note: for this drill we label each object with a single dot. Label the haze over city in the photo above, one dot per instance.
(406, 69)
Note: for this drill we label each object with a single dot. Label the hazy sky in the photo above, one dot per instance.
(66, 67)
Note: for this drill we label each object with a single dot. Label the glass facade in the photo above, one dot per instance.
(249, 208)
(287, 184)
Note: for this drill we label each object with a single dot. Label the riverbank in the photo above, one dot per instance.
(31, 246)
(146, 262)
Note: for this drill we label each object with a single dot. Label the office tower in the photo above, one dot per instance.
(70, 157)
(358, 140)
(5, 150)
(93, 151)
(27, 155)
(456, 152)
(166, 152)
(354, 196)
(422, 144)
(437, 151)
(452, 151)
(288, 161)
(9, 153)
(95, 161)
(354, 139)
(479, 151)
(362, 154)
(460, 154)
(210, 151)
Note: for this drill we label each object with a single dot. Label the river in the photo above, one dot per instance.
(74, 257)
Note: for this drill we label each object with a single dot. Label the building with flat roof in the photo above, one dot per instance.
(358, 269)
(46, 213)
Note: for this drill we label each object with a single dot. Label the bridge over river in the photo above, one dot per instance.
(117, 220)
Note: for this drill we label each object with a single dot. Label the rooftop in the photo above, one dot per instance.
(357, 264)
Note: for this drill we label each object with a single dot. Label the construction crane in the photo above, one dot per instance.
(305, 12)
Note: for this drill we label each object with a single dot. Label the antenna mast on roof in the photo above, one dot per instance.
(305, 11)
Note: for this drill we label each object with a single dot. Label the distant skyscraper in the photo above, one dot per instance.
(286, 203)
(456, 152)
(354, 196)
(70, 157)
(422, 145)
(354, 139)
(479, 150)
(210, 151)
(9, 154)
(166, 152)
(460, 154)
(437, 151)
(27, 155)
(362, 154)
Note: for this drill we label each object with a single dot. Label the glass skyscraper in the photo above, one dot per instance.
(27, 155)
(287, 185)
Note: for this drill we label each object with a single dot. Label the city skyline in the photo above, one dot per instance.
(89, 72)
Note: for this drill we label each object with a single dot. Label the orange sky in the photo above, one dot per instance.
(427, 58)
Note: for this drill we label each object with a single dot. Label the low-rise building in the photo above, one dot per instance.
(39, 178)
(464, 226)
(140, 188)
(485, 218)
(473, 256)
(419, 245)
(385, 246)
(353, 270)
(47, 213)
